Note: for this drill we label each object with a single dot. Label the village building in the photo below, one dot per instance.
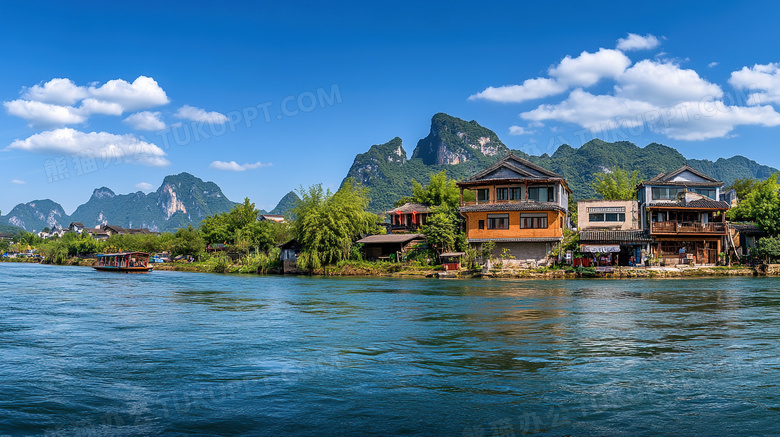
(288, 255)
(683, 216)
(408, 217)
(389, 246)
(76, 227)
(742, 239)
(271, 218)
(519, 206)
(610, 232)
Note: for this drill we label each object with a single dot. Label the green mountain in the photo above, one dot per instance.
(181, 200)
(287, 203)
(36, 215)
(462, 148)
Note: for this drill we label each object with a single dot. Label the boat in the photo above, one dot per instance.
(127, 262)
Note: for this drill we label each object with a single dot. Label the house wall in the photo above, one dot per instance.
(631, 211)
(523, 252)
(561, 195)
(554, 228)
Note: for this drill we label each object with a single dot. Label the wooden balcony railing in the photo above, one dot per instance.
(674, 227)
(496, 202)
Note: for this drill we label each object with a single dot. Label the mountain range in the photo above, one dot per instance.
(458, 147)
(461, 148)
(181, 200)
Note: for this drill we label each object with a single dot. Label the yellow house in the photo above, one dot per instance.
(519, 206)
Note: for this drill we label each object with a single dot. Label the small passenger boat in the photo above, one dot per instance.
(128, 262)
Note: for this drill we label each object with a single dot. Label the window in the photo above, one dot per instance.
(481, 224)
(709, 192)
(665, 193)
(533, 221)
(607, 217)
(516, 193)
(483, 195)
(502, 193)
(498, 221)
(542, 194)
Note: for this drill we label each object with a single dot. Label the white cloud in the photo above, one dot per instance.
(519, 130)
(637, 42)
(590, 111)
(529, 90)
(664, 84)
(43, 115)
(92, 106)
(103, 145)
(144, 186)
(192, 113)
(144, 92)
(588, 68)
(59, 91)
(234, 166)
(712, 64)
(145, 120)
(584, 70)
(18, 181)
(763, 80)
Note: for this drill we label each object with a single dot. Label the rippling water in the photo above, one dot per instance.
(167, 353)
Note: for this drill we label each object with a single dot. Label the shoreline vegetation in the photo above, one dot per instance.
(390, 269)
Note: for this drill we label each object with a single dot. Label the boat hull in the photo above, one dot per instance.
(123, 269)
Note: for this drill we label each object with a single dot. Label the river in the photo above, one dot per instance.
(168, 353)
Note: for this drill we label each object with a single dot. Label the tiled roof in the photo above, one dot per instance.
(696, 204)
(391, 238)
(408, 208)
(516, 240)
(746, 228)
(515, 169)
(667, 177)
(529, 205)
(605, 236)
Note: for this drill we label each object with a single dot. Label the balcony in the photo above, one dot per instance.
(675, 227)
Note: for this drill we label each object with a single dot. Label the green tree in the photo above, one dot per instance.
(328, 223)
(223, 228)
(441, 229)
(768, 248)
(440, 191)
(187, 241)
(618, 184)
(743, 187)
(761, 205)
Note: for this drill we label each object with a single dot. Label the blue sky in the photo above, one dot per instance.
(263, 97)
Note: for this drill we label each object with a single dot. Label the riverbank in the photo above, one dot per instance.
(389, 269)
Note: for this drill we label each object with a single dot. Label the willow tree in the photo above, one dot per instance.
(327, 224)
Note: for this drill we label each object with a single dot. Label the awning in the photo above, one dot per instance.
(593, 248)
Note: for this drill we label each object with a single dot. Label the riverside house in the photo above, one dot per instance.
(610, 233)
(520, 206)
(686, 222)
(408, 217)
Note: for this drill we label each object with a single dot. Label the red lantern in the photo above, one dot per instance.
(414, 217)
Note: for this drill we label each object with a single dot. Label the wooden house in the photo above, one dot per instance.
(408, 217)
(519, 206)
(683, 216)
(383, 247)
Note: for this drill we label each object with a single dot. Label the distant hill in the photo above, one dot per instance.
(181, 200)
(462, 148)
(287, 203)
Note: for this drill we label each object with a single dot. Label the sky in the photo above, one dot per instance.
(266, 97)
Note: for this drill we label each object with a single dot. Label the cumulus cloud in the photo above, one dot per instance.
(519, 130)
(43, 115)
(18, 181)
(145, 120)
(192, 113)
(763, 80)
(664, 84)
(584, 70)
(637, 42)
(655, 95)
(144, 186)
(712, 64)
(234, 166)
(144, 92)
(54, 103)
(58, 91)
(104, 145)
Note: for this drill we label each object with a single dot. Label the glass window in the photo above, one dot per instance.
(483, 195)
(498, 221)
(502, 193)
(516, 193)
(542, 194)
(615, 217)
(664, 193)
(533, 221)
(596, 217)
(705, 192)
(481, 224)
